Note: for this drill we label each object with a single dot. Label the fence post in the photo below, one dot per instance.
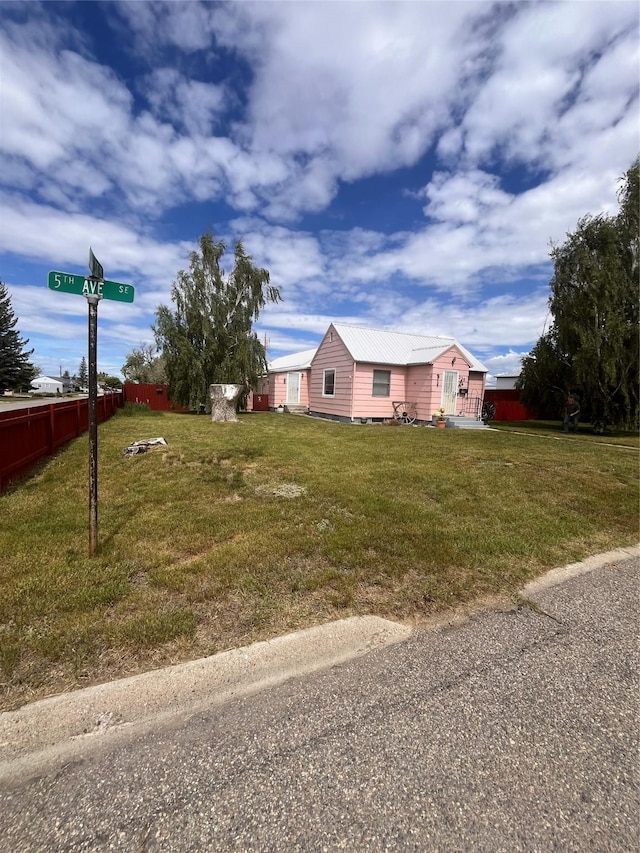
(52, 427)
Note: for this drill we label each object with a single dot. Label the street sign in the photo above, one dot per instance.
(95, 288)
(94, 265)
(118, 291)
(67, 282)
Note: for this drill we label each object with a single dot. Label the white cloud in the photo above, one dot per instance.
(191, 104)
(528, 112)
(49, 235)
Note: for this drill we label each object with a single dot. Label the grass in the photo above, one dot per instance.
(239, 532)
(554, 429)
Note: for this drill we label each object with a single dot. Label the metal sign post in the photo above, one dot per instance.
(94, 288)
(92, 301)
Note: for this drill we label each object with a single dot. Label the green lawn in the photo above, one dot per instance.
(239, 532)
(553, 429)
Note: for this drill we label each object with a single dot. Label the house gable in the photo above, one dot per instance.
(332, 363)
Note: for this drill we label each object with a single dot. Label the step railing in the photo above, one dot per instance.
(470, 407)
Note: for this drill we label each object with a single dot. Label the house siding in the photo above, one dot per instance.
(332, 354)
(275, 386)
(419, 390)
(365, 405)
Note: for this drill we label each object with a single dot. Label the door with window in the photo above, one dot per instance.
(293, 389)
(450, 391)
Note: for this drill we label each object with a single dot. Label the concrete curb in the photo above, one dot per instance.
(554, 577)
(183, 688)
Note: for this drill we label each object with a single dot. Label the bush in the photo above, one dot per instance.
(130, 410)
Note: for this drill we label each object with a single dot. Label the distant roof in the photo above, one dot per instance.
(379, 346)
(295, 361)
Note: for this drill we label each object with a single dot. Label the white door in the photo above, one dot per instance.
(293, 389)
(449, 391)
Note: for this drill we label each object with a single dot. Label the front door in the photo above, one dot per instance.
(450, 391)
(293, 389)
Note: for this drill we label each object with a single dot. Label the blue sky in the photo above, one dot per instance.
(396, 165)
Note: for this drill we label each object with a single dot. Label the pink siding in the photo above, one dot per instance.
(476, 384)
(332, 353)
(365, 405)
(420, 390)
(467, 378)
(277, 388)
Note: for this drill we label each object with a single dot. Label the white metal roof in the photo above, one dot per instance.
(295, 361)
(379, 346)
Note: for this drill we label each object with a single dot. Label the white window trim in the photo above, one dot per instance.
(324, 383)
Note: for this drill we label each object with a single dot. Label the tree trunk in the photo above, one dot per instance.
(223, 402)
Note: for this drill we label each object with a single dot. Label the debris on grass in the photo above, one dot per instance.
(143, 445)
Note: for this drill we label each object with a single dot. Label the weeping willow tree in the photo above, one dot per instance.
(208, 337)
(592, 348)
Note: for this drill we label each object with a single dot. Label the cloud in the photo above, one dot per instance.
(46, 234)
(513, 120)
(156, 24)
(551, 59)
(192, 105)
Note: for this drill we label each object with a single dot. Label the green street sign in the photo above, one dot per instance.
(67, 282)
(118, 291)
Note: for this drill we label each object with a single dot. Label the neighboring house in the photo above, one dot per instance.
(506, 381)
(358, 373)
(51, 385)
(287, 382)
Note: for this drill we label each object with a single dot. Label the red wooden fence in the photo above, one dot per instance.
(155, 396)
(29, 434)
(508, 405)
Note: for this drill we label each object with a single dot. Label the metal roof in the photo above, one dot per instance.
(379, 346)
(295, 361)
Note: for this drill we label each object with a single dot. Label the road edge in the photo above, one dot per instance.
(60, 726)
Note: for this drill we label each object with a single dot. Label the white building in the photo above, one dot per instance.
(506, 381)
(51, 385)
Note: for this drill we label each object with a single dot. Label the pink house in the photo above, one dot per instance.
(358, 374)
(287, 382)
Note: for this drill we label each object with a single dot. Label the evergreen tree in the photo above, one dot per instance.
(83, 373)
(16, 371)
(592, 346)
(208, 337)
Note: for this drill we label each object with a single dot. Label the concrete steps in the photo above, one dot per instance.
(461, 422)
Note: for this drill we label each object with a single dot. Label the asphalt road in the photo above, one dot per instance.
(8, 404)
(515, 731)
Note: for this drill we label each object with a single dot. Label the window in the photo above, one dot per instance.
(381, 383)
(329, 383)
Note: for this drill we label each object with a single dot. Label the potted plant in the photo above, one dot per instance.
(280, 408)
(439, 418)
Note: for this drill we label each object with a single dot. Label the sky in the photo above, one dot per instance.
(397, 165)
